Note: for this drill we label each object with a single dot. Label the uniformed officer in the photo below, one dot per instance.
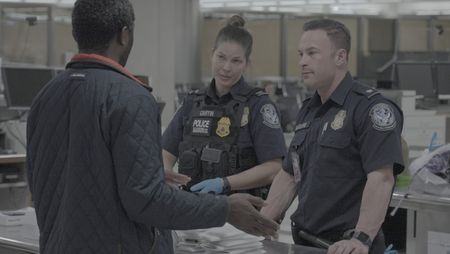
(226, 137)
(345, 152)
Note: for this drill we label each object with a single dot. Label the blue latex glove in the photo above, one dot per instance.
(209, 186)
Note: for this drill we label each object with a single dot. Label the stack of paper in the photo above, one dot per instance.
(226, 239)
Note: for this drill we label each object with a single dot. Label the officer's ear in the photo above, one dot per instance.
(340, 57)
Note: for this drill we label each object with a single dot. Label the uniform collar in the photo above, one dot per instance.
(237, 90)
(107, 62)
(340, 93)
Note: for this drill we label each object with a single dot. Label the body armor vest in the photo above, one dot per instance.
(209, 148)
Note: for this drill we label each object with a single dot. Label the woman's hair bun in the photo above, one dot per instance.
(236, 20)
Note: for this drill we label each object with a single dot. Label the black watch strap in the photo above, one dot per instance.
(362, 237)
(226, 185)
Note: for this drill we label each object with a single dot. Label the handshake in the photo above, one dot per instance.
(243, 208)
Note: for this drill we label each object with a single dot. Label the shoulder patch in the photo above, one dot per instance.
(382, 116)
(270, 116)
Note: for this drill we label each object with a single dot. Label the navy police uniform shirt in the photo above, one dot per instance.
(262, 131)
(336, 144)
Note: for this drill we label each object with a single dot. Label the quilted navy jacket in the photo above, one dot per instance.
(95, 167)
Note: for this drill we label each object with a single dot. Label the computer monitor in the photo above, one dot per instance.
(443, 78)
(23, 84)
(416, 76)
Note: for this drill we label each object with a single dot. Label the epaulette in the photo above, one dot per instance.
(196, 92)
(260, 93)
(364, 90)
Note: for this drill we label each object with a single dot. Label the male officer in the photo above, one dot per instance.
(345, 152)
(94, 154)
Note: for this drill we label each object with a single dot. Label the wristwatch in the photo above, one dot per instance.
(362, 237)
(226, 186)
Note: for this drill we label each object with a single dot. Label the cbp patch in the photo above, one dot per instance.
(270, 116)
(382, 116)
(201, 126)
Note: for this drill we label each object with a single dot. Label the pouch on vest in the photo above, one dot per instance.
(215, 161)
(189, 163)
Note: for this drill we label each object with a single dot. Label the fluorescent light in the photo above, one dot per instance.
(211, 1)
(212, 5)
(257, 8)
(238, 4)
(386, 1)
(427, 12)
(264, 3)
(352, 1)
(290, 9)
(321, 1)
(272, 8)
(284, 3)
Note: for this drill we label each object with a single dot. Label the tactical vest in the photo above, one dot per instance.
(209, 148)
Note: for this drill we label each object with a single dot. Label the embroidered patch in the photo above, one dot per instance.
(270, 116)
(201, 127)
(338, 121)
(223, 127)
(382, 117)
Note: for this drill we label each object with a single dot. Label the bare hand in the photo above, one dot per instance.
(245, 217)
(176, 178)
(352, 246)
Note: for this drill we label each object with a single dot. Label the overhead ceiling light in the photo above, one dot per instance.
(367, 12)
(321, 1)
(238, 4)
(427, 12)
(211, 1)
(257, 8)
(386, 1)
(212, 5)
(353, 1)
(272, 8)
(290, 9)
(285, 3)
(264, 3)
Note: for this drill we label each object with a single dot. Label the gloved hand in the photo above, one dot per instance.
(207, 186)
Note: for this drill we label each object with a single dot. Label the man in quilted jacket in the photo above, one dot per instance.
(94, 155)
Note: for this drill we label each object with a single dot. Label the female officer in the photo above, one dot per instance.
(226, 137)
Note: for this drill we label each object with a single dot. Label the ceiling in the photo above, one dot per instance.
(386, 8)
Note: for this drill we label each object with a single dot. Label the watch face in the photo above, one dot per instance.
(363, 237)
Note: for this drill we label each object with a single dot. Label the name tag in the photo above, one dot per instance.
(201, 126)
(207, 113)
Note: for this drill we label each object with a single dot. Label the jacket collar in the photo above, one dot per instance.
(107, 62)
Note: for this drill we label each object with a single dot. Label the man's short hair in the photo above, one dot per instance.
(336, 31)
(95, 22)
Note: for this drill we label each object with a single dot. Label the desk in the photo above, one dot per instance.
(424, 213)
(24, 239)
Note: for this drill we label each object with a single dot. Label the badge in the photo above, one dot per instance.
(338, 121)
(382, 116)
(223, 127)
(201, 126)
(270, 116)
(244, 119)
(296, 167)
